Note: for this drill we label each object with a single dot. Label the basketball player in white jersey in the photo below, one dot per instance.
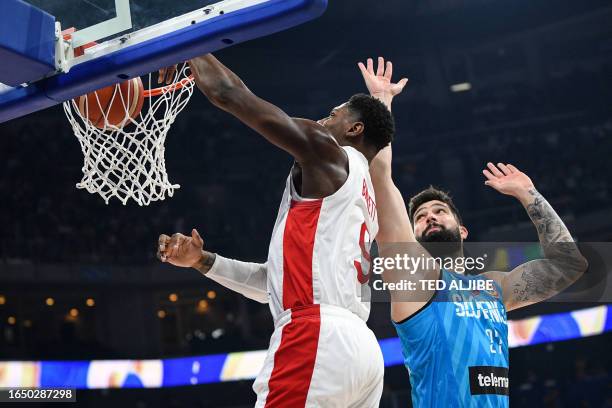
(321, 353)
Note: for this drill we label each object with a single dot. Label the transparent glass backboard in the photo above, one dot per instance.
(102, 20)
(117, 40)
(144, 13)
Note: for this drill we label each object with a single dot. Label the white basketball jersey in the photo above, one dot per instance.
(319, 252)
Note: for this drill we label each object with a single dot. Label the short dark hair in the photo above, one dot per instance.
(429, 194)
(377, 119)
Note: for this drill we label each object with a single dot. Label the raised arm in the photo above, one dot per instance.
(563, 263)
(395, 234)
(393, 222)
(246, 278)
(306, 140)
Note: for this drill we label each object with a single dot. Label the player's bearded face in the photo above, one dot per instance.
(437, 229)
(441, 241)
(436, 232)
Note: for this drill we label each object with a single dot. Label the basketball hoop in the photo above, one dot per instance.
(125, 158)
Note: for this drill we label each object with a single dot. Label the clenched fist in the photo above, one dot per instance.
(181, 250)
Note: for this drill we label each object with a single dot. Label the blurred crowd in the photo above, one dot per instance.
(538, 99)
(232, 179)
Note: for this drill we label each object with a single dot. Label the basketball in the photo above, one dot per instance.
(117, 103)
(247, 203)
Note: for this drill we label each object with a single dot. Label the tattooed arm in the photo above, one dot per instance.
(563, 263)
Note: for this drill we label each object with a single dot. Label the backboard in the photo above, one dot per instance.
(125, 39)
(103, 20)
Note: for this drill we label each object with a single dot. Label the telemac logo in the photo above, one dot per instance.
(489, 380)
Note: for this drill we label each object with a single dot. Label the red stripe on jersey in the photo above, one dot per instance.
(294, 360)
(298, 244)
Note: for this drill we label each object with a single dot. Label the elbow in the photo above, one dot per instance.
(223, 94)
(220, 98)
(576, 267)
(567, 257)
(387, 234)
(578, 262)
(582, 265)
(579, 267)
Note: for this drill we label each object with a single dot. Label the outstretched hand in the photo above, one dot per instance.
(507, 179)
(180, 250)
(379, 84)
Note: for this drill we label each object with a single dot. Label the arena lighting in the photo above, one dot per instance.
(173, 297)
(50, 301)
(2, 300)
(161, 314)
(211, 294)
(202, 306)
(90, 302)
(244, 365)
(74, 312)
(461, 87)
(12, 320)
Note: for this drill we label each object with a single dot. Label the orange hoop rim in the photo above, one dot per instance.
(148, 93)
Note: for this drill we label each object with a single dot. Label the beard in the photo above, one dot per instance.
(442, 243)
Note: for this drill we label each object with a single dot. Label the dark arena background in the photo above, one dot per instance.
(527, 82)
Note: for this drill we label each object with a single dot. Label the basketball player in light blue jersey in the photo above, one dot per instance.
(455, 342)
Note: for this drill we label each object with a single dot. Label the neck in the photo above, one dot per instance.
(457, 255)
(368, 151)
(444, 250)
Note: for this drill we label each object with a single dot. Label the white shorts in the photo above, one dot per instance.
(320, 356)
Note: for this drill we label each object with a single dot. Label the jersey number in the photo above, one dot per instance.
(496, 341)
(365, 262)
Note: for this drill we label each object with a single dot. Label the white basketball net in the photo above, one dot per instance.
(128, 162)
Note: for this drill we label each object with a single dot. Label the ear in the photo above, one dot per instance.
(356, 129)
(463, 232)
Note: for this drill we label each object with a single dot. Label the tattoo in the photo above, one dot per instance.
(550, 227)
(563, 263)
(540, 279)
(206, 262)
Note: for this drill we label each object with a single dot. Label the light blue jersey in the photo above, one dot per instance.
(456, 347)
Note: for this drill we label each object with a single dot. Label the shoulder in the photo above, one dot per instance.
(418, 319)
(498, 278)
(312, 128)
(322, 144)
